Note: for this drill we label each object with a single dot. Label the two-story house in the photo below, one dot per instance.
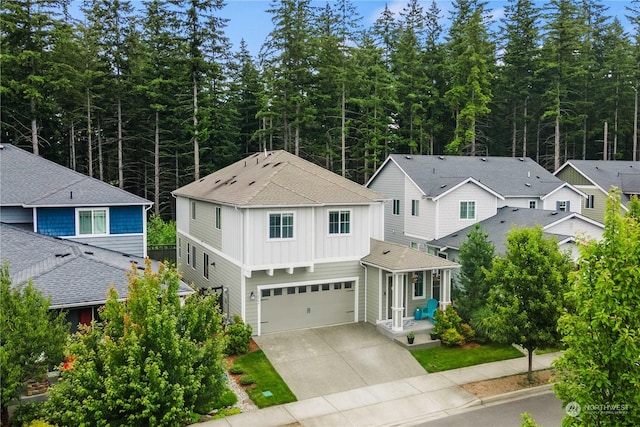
(434, 196)
(293, 245)
(596, 177)
(53, 200)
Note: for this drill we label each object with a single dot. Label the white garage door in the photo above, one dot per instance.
(306, 306)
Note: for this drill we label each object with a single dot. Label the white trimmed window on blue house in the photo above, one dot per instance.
(467, 210)
(93, 221)
(415, 207)
(281, 225)
(396, 207)
(340, 222)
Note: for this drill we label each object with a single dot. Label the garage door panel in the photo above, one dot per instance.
(310, 306)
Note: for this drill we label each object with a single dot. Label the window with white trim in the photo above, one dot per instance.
(93, 221)
(218, 217)
(562, 206)
(590, 202)
(467, 210)
(339, 222)
(418, 284)
(188, 253)
(281, 225)
(193, 256)
(396, 207)
(415, 207)
(533, 204)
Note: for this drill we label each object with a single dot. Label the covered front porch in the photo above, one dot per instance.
(401, 280)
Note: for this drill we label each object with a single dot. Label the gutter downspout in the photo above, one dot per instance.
(366, 294)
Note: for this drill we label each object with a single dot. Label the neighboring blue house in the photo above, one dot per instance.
(53, 200)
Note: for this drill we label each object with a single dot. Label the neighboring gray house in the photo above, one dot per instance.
(75, 276)
(567, 227)
(434, 196)
(56, 201)
(596, 177)
(294, 245)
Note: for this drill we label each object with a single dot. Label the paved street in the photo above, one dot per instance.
(545, 409)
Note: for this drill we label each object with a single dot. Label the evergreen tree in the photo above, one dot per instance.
(476, 254)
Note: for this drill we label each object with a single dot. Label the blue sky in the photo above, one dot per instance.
(248, 19)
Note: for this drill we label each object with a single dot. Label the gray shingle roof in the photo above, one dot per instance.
(29, 180)
(606, 174)
(507, 176)
(277, 179)
(397, 258)
(500, 224)
(72, 274)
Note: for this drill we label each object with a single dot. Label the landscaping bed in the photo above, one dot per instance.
(493, 387)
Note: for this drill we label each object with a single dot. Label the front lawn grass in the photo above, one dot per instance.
(266, 378)
(444, 358)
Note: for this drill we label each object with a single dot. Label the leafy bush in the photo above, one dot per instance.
(238, 336)
(467, 332)
(247, 380)
(226, 399)
(451, 338)
(236, 370)
(25, 413)
(448, 321)
(40, 423)
(479, 326)
(160, 232)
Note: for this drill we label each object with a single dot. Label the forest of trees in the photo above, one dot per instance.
(150, 95)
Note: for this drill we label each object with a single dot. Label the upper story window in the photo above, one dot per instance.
(188, 254)
(281, 226)
(205, 265)
(562, 205)
(93, 221)
(193, 256)
(193, 210)
(415, 207)
(218, 217)
(467, 210)
(533, 204)
(339, 222)
(396, 207)
(590, 202)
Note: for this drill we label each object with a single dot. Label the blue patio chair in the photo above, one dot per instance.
(429, 310)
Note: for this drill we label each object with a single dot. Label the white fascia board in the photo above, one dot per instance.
(466, 181)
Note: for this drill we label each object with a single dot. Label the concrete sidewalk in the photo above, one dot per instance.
(401, 402)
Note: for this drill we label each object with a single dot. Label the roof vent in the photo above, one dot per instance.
(1, 147)
(407, 157)
(277, 164)
(527, 184)
(217, 181)
(252, 182)
(88, 252)
(484, 159)
(386, 252)
(554, 213)
(502, 221)
(521, 159)
(62, 255)
(201, 179)
(265, 165)
(443, 185)
(515, 209)
(441, 157)
(454, 235)
(232, 182)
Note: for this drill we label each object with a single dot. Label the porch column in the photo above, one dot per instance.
(445, 288)
(397, 309)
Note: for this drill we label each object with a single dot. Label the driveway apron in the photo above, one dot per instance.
(321, 361)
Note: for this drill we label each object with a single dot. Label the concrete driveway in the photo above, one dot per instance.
(320, 361)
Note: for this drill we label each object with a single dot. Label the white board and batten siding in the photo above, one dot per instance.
(419, 227)
(337, 246)
(449, 208)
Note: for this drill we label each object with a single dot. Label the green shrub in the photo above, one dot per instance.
(467, 332)
(247, 380)
(447, 320)
(160, 232)
(25, 413)
(226, 399)
(238, 335)
(40, 423)
(236, 370)
(451, 338)
(479, 326)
